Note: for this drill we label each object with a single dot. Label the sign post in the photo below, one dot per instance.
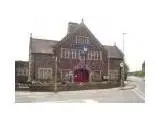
(122, 73)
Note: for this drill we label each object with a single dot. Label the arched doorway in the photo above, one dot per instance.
(81, 75)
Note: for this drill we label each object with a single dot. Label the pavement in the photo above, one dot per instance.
(133, 92)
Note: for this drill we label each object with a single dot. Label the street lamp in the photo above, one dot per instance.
(55, 79)
(55, 75)
(123, 63)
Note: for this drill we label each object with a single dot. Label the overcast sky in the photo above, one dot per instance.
(107, 20)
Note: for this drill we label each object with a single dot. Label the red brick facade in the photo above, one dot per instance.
(72, 57)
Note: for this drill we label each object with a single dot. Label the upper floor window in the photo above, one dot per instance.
(73, 53)
(69, 53)
(65, 53)
(79, 54)
(82, 40)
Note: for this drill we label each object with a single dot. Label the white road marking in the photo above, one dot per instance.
(90, 101)
(73, 101)
(141, 92)
(142, 97)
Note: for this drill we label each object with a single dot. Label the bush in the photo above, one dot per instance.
(139, 74)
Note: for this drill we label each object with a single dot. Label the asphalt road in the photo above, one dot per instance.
(114, 95)
(140, 82)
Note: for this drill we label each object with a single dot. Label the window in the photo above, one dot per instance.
(44, 73)
(65, 73)
(82, 40)
(26, 72)
(99, 55)
(63, 53)
(113, 74)
(92, 55)
(82, 55)
(97, 74)
(22, 72)
(67, 51)
(77, 54)
(89, 55)
(96, 55)
(73, 54)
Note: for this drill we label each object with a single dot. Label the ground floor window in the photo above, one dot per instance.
(44, 73)
(66, 74)
(97, 74)
(22, 72)
(113, 74)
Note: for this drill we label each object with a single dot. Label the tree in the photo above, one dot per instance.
(143, 67)
(126, 69)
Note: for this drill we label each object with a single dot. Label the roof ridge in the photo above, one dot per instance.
(44, 39)
(108, 45)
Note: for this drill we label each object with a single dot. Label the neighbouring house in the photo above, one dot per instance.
(143, 67)
(21, 72)
(80, 57)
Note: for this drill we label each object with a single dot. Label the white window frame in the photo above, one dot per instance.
(45, 73)
(73, 51)
(84, 40)
(88, 55)
(92, 55)
(67, 53)
(77, 53)
(101, 55)
(81, 58)
(97, 54)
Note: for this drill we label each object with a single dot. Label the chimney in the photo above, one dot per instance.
(72, 27)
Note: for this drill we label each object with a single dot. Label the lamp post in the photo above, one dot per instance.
(55, 79)
(55, 69)
(123, 63)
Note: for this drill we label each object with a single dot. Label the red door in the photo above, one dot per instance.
(81, 75)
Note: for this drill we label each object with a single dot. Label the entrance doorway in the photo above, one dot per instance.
(81, 75)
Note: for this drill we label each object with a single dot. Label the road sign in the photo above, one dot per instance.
(121, 64)
(85, 49)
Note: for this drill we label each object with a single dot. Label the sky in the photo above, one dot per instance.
(106, 19)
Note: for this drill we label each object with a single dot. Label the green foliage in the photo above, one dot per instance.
(139, 74)
(126, 68)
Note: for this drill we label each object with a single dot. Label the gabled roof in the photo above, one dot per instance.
(42, 45)
(113, 51)
(46, 46)
(77, 27)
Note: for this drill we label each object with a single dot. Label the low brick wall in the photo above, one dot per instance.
(74, 87)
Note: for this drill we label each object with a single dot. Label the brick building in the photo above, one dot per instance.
(80, 58)
(21, 72)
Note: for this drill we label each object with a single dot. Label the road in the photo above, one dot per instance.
(140, 83)
(114, 95)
